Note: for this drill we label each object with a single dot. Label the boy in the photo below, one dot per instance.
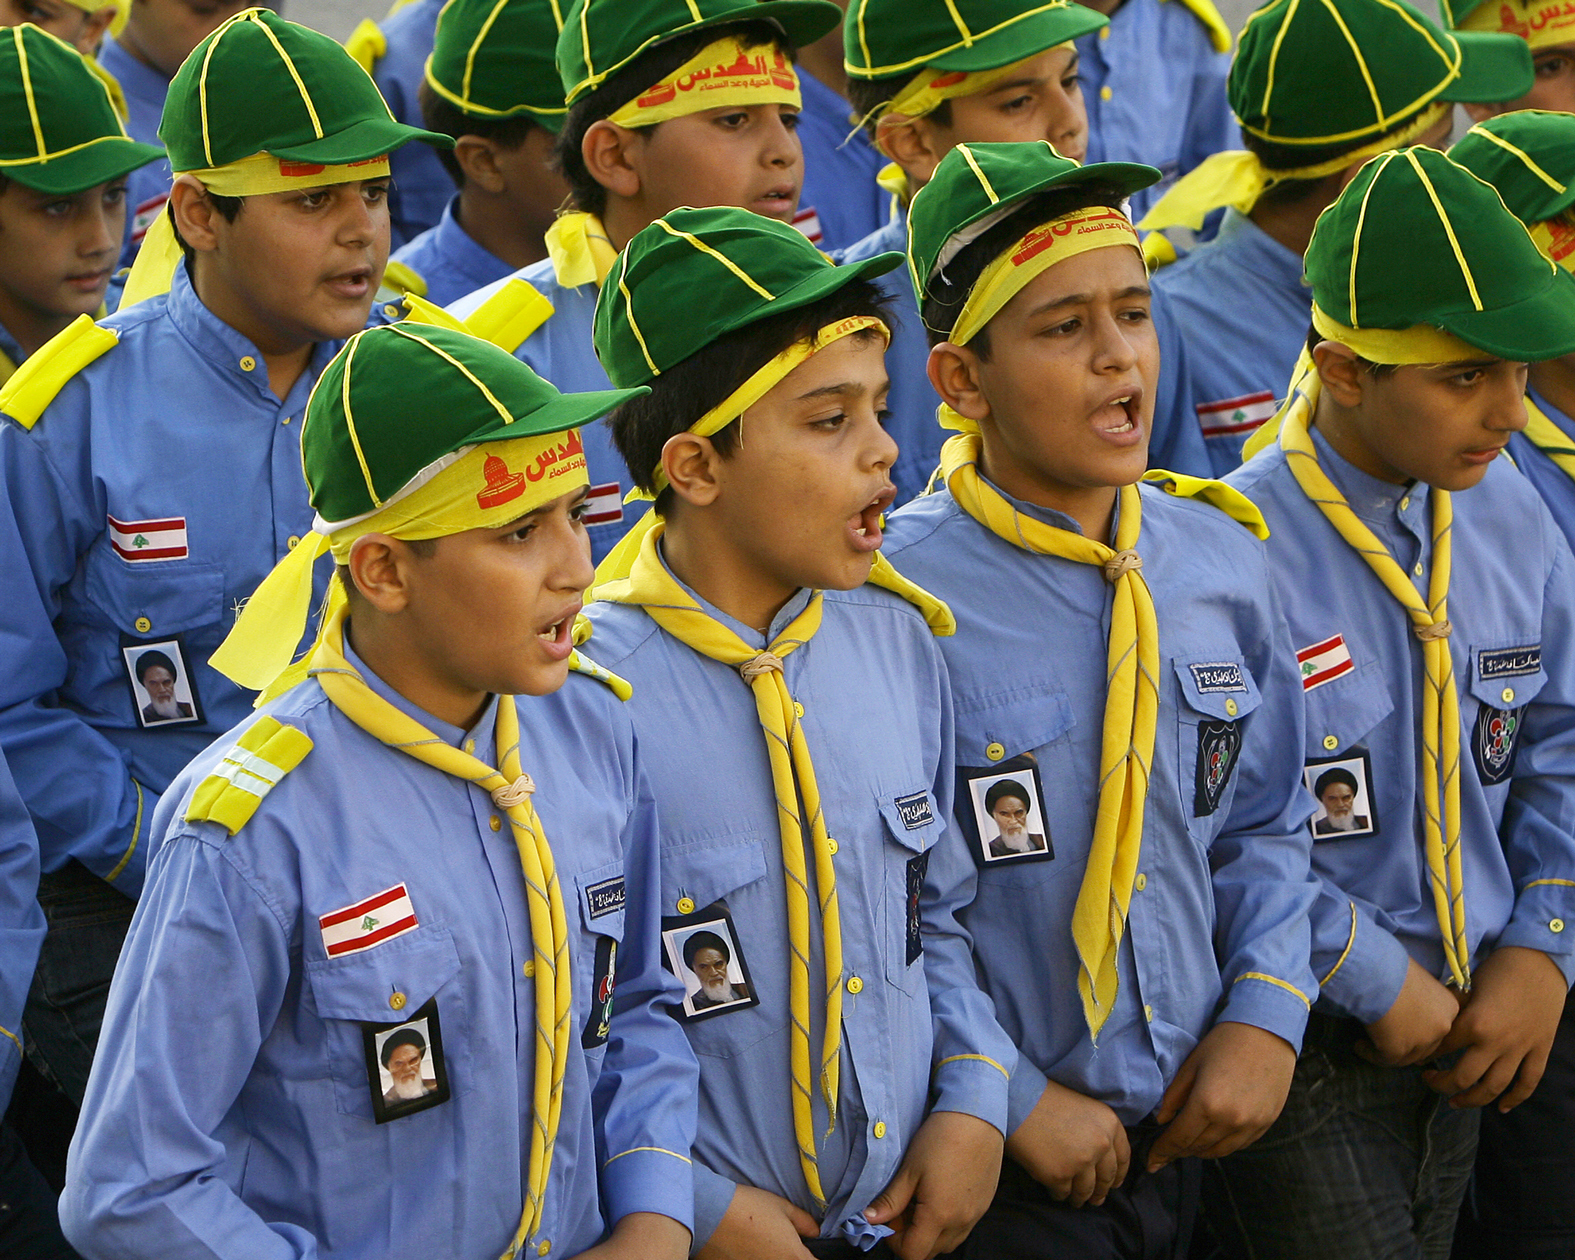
(147, 473)
(1522, 1196)
(1318, 91)
(762, 442)
(64, 159)
(640, 139)
(491, 85)
(1430, 625)
(81, 23)
(387, 1037)
(1166, 915)
(1549, 30)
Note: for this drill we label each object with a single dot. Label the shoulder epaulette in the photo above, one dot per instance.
(367, 45)
(399, 283)
(423, 312)
(582, 664)
(1205, 12)
(510, 316)
(1216, 494)
(249, 770)
(936, 613)
(34, 385)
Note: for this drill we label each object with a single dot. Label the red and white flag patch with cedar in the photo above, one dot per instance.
(149, 540)
(1230, 416)
(368, 923)
(1324, 662)
(604, 504)
(807, 221)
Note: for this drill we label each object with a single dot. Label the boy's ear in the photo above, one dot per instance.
(913, 144)
(378, 568)
(1341, 374)
(194, 214)
(692, 464)
(606, 152)
(954, 372)
(478, 159)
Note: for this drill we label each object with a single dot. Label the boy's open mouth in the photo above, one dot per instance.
(1119, 416)
(557, 637)
(864, 525)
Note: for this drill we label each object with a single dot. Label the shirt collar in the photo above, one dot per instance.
(1376, 502)
(1261, 254)
(1051, 517)
(461, 252)
(480, 733)
(753, 638)
(138, 81)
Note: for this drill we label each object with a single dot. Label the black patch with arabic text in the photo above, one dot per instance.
(599, 1023)
(1219, 745)
(1494, 742)
(1509, 662)
(914, 810)
(918, 868)
(606, 897)
(1218, 676)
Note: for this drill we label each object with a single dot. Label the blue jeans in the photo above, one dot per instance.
(1364, 1163)
(29, 1227)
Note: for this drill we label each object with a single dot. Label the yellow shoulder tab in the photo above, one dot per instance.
(424, 312)
(1158, 251)
(249, 770)
(33, 386)
(936, 614)
(511, 315)
(582, 664)
(401, 281)
(1217, 494)
(1205, 12)
(367, 44)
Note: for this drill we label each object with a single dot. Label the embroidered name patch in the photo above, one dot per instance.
(605, 898)
(1324, 662)
(367, 923)
(1232, 416)
(915, 810)
(1509, 662)
(1219, 676)
(149, 540)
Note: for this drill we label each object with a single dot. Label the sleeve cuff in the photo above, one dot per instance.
(1269, 1003)
(712, 1194)
(1027, 1085)
(648, 1179)
(1544, 919)
(975, 1085)
(1366, 978)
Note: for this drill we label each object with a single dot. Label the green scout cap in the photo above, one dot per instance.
(261, 84)
(978, 185)
(723, 269)
(1346, 71)
(399, 397)
(494, 59)
(1416, 239)
(1529, 156)
(600, 37)
(59, 134)
(883, 38)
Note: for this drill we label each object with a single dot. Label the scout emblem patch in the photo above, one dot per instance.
(163, 692)
(918, 868)
(599, 1023)
(604, 504)
(1343, 788)
(367, 923)
(405, 1071)
(1324, 662)
(1236, 417)
(1494, 742)
(702, 950)
(1001, 809)
(138, 541)
(1219, 745)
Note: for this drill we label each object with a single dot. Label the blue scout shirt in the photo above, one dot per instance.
(1240, 306)
(421, 187)
(147, 187)
(172, 437)
(1155, 91)
(839, 179)
(21, 925)
(450, 261)
(1217, 928)
(1512, 606)
(230, 1110)
(914, 1020)
(1551, 481)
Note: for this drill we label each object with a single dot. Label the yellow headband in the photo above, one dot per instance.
(479, 487)
(1539, 24)
(1096, 227)
(90, 6)
(1556, 239)
(723, 73)
(924, 93)
(1421, 343)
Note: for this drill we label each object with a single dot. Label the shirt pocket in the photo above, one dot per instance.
(1505, 677)
(1343, 714)
(1216, 693)
(913, 824)
(361, 988)
(155, 599)
(602, 896)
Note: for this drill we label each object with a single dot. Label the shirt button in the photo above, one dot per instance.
(286, 420)
(1405, 503)
(798, 708)
(495, 823)
(397, 1001)
(831, 845)
(293, 541)
(1148, 1012)
(1104, 32)
(855, 985)
(247, 363)
(686, 905)
(529, 969)
(880, 1129)
(995, 752)
(1419, 570)
(392, 312)
(1105, 93)
(1331, 742)
(1231, 707)
(543, 1247)
(1141, 882)
(1557, 925)
(1509, 695)
(470, 745)
(143, 625)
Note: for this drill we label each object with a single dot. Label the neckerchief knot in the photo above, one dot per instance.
(1438, 630)
(764, 663)
(512, 794)
(1122, 563)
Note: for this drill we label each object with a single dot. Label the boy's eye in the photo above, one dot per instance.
(1072, 82)
(1552, 66)
(314, 200)
(883, 417)
(831, 422)
(374, 193)
(578, 511)
(790, 120)
(524, 531)
(57, 209)
(736, 119)
(114, 196)
(1017, 103)
(1468, 378)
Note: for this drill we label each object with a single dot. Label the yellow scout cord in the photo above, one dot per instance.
(649, 586)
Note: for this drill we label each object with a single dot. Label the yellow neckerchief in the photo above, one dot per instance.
(1131, 710)
(651, 587)
(1548, 438)
(1440, 726)
(510, 788)
(580, 251)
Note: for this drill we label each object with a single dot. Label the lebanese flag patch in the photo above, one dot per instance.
(807, 221)
(604, 504)
(145, 215)
(149, 540)
(368, 923)
(1324, 662)
(1230, 416)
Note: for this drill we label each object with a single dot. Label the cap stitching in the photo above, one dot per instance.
(1480, 130)
(1361, 62)
(355, 441)
(989, 190)
(716, 254)
(504, 412)
(962, 26)
(475, 47)
(868, 71)
(1274, 57)
(1421, 29)
(306, 97)
(27, 91)
(864, 42)
(1361, 220)
(1449, 229)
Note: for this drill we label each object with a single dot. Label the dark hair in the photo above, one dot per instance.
(441, 114)
(404, 1037)
(947, 293)
(626, 83)
(154, 660)
(1329, 778)
(229, 207)
(1376, 370)
(1283, 157)
(705, 940)
(868, 95)
(687, 390)
(1006, 787)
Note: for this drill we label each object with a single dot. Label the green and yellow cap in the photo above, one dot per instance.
(1529, 156)
(60, 134)
(494, 59)
(1541, 23)
(1419, 261)
(600, 37)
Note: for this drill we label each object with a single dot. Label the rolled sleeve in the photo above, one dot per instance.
(712, 1195)
(1269, 1003)
(648, 1179)
(1027, 1086)
(1362, 967)
(976, 1085)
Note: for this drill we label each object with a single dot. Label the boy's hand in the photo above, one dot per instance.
(1226, 1095)
(943, 1186)
(1506, 1029)
(1073, 1145)
(760, 1226)
(643, 1236)
(1410, 1031)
